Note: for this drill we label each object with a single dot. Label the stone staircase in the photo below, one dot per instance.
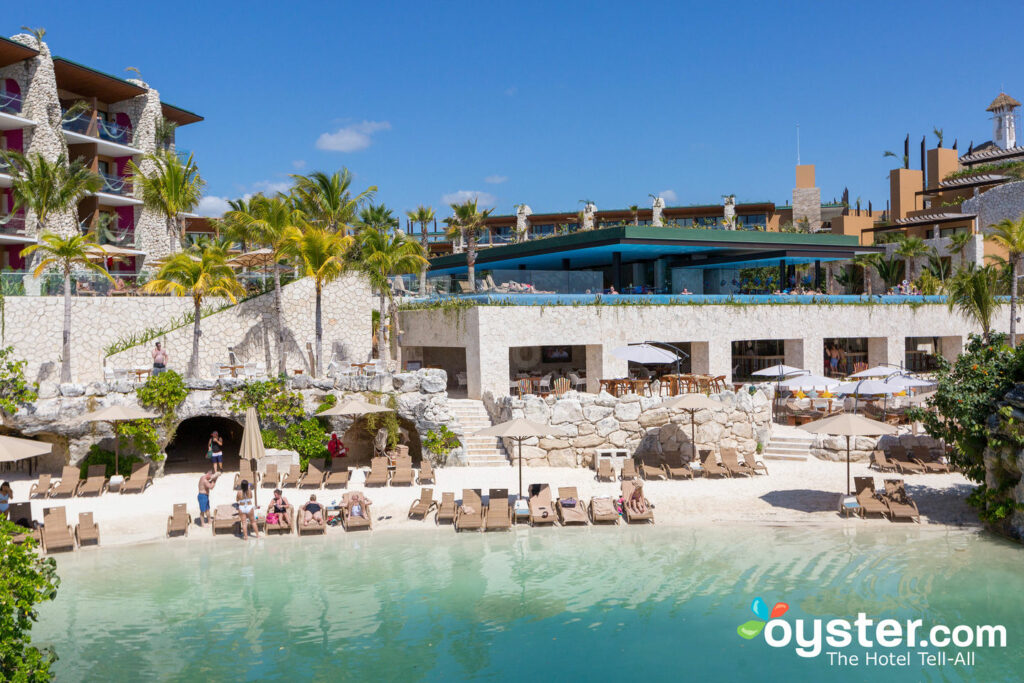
(481, 451)
(788, 443)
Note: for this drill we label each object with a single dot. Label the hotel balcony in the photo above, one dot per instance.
(12, 225)
(110, 138)
(10, 112)
(116, 191)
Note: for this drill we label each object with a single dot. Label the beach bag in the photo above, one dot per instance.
(209, 453)
(272, 518)
(569, 503)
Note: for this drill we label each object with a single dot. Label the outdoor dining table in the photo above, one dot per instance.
(623, 385)
(233, 369)
(362, 367)
(533, 382)
(140, 373)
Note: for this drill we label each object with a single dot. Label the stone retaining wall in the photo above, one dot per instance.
(833, 448)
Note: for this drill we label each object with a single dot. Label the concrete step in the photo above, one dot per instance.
(786, 450)
(773, 456)
(791, 439)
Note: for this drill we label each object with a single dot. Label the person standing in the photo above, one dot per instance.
(160, 358)
(215, 449)
(5, 498)
(206, 484)
(246, 511)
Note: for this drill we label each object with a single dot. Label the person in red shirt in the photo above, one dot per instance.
(335, 447)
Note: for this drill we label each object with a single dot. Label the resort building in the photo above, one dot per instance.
(55, 107)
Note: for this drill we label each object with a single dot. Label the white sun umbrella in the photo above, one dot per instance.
(877, 371)
(871, 387)
(779, 371)
(809, 382)
(645, 354)
(908, 382)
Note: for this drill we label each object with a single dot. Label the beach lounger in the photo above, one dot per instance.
(271, 478)
(922, 455)
(246, 473)
(605, 471)
(21, 515)
(179, 520)
(426, 473)
(470, 515)
(403, 474)
(880, 462)
(139, 480)
(87, 531)
(70, 478)
(314, 476)
(42, 487)
(314, 527)
(95, 483)
(446, 510)
(569, 506)
(293, 477)
(628, 470)
(602, 510)
(279, 526)
(675, 468)
(57, 534)
(755, 465)
(353, 522)
(633, 517)
(730, 461)
(499, 514)
(900, 504)
(378, 474)
(542, 511)
(225, 518)
(898, 457)
(868, 499)
(423, 505)
(711, 467)
(650, 472)
(339, 474)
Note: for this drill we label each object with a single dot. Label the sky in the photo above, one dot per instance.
(550, 103)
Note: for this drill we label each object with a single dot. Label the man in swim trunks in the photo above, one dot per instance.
(206, 483)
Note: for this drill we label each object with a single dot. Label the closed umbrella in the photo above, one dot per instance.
(13, 449)
(519, 429)
(113, 415)
(848, 424)
(692, 403)
(252, 444)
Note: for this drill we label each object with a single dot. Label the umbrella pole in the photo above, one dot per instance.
(847, 464)
(520, 467)
(693, 434)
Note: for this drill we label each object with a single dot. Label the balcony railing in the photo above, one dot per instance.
(106, 130)
(12, 224)
(115, 185)
(10, 102)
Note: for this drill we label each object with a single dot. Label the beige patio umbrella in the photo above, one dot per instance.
(353, 407)
(519, 429)
(114, 414)
(13, 449)
(252, 443)
(253, 259)
(848, 424)
(692, 403)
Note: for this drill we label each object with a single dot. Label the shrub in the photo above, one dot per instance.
(99, 456)
(275, 404)
(440, 444)
(15, 390)
(308, 438)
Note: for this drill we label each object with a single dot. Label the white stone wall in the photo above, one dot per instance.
(1004, 201)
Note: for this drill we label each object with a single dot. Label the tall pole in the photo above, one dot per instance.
(520, 467)
(847, 464)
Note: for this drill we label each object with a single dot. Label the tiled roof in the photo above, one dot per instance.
(1003, 100)
(931, 218)
(992, 154)
(982, 179)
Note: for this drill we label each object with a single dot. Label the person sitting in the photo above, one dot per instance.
(312, 511)
(611, 290)
(279, 505)
(637, 503)
(357, 504)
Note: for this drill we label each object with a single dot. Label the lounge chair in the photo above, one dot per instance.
(446, 510)
(541, 509)
(352, 522)
(179, 520)
(898, 457)
(426, 473)
(730, 461)
(868, 499)
(650, 472)
(470, 515)
(57, 534)
(95, 483)
(87, 531)
(70, 477)
(139, 480)
(42, 487)
(499, 514)
(631, 517)
(423, 505)
(900, 504)
(403, 474)
(628, 470)
(880, 462)
(225, 518)
(314, 476)
(378, 474)
(605, 472)
(755, 465)
(569, 506)
(21, 514)
(675, 468)
(280, 526)
(602, 510)
(711, 467)
(923, 457)
(293, 477)
(314, 526)
(271, 478)
(338, 475)
(245, 472)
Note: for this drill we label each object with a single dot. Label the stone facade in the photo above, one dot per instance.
(807, 206)
(1004, 201)
(638, 424)
(523, 213)
(826, 447)
(657, 208)
(1004, 460)
(589, 209)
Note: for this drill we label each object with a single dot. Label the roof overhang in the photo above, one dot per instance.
(12, 52)
(932, 219)
(180, 116)
(966, 183)
(87, 82)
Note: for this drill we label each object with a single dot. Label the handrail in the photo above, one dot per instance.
(114, 132)
(115, 184)
(10, 102)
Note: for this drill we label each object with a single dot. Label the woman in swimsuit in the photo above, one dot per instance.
(636, 501)
(280, 505)
(312, 511)
(357, 504)
(5, 498)
(246, 511)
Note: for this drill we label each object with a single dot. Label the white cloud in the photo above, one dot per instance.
(351, 138)
(495, 179)
(668, 195)
(299, 164)
(484, 199)
(270, 187)
(213, 207)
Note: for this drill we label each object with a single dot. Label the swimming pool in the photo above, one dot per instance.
(677, 299)
(562, 604)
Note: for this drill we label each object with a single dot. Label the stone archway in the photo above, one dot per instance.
(187, 450)
(360, 443)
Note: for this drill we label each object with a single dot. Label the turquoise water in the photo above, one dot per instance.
(668, 299)
(562, 604)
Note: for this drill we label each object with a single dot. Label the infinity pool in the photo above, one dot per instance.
(558, 604)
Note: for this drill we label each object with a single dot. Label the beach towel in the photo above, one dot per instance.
(604, 506)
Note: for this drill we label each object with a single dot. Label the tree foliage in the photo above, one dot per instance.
(15, 390)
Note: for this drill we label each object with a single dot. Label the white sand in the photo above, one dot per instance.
(794, 493)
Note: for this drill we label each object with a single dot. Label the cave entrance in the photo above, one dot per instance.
(187, 451)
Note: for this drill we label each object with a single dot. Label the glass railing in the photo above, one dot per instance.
(76, 124)
(115, 185)
(106, 130)
(12, 224)
(10, 103)
(114, 132)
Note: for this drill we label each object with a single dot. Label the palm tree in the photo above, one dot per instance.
(172, 189)
(65, 254)
(327, 200)
(208, 276)
(45, 187)
(865, 261)
(377, 216)
(888, 269)
(321, 254)
(1009, 234)
(467, 222)
(938, 266)
(972, 292)
(268, 219)
(958, 243)
(911, 248)
(383, 255)
(937, 132)
(635, 211)
(423, 215)
(237, 231)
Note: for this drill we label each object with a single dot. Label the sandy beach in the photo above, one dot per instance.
(793, 493)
